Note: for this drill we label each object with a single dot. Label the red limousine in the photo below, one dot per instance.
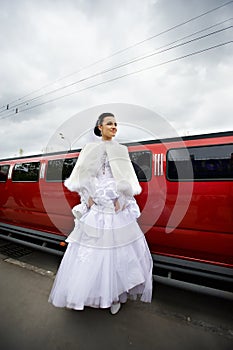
(186, 203)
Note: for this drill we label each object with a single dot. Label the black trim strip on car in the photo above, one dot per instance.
(32, 238)
(200, 274)
(135, 143)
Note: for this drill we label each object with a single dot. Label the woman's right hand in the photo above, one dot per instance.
(90, 202)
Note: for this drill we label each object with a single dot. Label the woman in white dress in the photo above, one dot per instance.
(107, 259)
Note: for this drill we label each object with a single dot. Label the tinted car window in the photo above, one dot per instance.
(4, 169)
(26, 171)
(60, 169)
(142, 163)
(200, 163)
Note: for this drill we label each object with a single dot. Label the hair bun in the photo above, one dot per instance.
(97, 131)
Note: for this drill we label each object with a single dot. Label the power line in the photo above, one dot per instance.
(194, 33)
(125, 75)
(129, 47)
(125, 64)
(176, 26)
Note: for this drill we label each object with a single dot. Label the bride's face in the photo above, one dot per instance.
(108, 128)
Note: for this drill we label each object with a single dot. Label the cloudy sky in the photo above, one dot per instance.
(64, 61)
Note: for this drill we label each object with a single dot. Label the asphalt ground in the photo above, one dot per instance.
(176, 319)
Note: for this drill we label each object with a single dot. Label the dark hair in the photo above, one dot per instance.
(100, 120)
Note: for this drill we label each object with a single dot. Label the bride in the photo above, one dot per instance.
(107, 259)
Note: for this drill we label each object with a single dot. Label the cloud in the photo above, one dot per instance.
(44, 41)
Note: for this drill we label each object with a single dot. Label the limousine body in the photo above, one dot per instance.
(186, 203)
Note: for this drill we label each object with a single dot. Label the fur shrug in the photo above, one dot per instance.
(89, 162)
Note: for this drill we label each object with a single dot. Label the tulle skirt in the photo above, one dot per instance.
(97, 275)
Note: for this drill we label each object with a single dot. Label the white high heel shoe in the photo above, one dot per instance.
(115, 308)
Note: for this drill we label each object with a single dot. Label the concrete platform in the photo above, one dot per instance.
(175, 319)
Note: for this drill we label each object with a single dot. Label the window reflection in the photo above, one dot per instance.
(142, 163)
(60, 169)
(26, 171)
(206, 163)
(4, 169)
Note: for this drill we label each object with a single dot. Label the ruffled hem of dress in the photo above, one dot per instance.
(89, 277)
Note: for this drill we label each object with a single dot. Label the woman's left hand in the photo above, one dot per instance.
(117, 205)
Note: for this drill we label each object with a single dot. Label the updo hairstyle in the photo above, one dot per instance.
(100, 120)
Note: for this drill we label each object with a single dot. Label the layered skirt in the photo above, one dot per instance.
(107, 260)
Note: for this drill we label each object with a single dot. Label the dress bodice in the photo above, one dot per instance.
(104, 171)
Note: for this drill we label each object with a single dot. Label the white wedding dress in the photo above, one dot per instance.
(107, 258)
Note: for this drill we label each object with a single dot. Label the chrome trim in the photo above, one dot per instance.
(10, 172)
(161, 164)
(158, 166)
(155, 160)
(42, 170)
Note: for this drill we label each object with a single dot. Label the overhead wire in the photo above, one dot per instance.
(125, 49)
(123, 64)
(125, 75)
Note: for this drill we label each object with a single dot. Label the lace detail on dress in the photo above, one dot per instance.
(105, 185)
(104, 169)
